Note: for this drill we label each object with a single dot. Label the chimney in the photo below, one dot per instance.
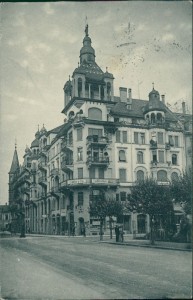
(129, 96)
(163, 98)
(184, 107)
(123, 94)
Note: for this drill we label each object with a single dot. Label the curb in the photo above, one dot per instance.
(146, 246)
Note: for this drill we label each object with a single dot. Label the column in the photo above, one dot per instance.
(89, 86)
(83, 88)
(99, 92)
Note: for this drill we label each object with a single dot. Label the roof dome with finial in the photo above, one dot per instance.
(37, 134)
(87, 53)
(154, 102)
(27, 150)
(43, 130)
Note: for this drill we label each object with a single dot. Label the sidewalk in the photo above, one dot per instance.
(128, 241)
(157, 245)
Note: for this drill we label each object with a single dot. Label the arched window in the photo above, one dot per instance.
(140, 175)
(162, 175)
(95, 113)
(153, 118)
(122, 156)
(140, 157)
(174, 176)
(174, 159)
(79, 87)
(108, 91)
(159, 118)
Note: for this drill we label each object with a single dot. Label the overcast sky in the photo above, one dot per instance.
(139, 41)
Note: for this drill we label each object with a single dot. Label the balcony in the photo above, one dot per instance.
(66, 145)
(54, 172)
(98, 161)
(55, 191)
(43, 196)
(67, 165)
(89, 182)
(97, 141)
(42, 166)
(167, 146)
(153, 144)
(42, 181)
(156, 164)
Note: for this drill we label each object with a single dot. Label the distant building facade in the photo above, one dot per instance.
(106, 144)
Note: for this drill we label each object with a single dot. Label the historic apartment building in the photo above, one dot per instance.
(106, 143)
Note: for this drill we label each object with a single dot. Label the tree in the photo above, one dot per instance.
(114, 208)
(181, 191)
(102, 207)
(148, 197)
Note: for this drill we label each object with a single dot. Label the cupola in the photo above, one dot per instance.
(87, 53)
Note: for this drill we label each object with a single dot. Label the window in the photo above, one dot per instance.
(94, 131)
(92, 173)
(142, 138)
(123, 196)
(80, 173)
(154, 156)
(79, 134)
(160, 138)
(80, 154)
(140, 175)
(117, 197)
(139, 138)
(124, 136)
(122, 156)
(80, 199)
(161, 156)
(140, 157)
(174, 159)
(101, 173)
(94, 113)
(176, 141)
(171, 141)
(122, 175)
(162, 175)
(174, 176)
(70, 138)
(118, 136)
(136, 137)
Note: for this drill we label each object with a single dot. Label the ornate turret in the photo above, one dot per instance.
(154, 111)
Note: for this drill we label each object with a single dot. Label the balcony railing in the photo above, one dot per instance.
(153, 144)
(66, 165)
(42, 180)
(156, 164)
(55, 191)
(90, 182)
(66, 144)
(54, 172)
(42, 165)
(97, 140)
(99, 161)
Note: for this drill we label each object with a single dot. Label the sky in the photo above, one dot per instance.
(140, 42)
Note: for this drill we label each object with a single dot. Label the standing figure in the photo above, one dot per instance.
(117, 233)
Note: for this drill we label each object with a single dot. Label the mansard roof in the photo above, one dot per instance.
(137, 109)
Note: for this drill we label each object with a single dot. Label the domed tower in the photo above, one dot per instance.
(88, 80)
(154, 111)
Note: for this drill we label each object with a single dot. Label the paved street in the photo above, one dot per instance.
(83, 268)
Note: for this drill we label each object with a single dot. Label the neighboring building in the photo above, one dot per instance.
(5, 217)
(104, 146)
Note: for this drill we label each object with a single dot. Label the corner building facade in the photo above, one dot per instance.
(106, 144)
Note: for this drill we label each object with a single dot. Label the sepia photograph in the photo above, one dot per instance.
(96, 150)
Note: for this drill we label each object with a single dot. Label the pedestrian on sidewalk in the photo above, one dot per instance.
(117, 233)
